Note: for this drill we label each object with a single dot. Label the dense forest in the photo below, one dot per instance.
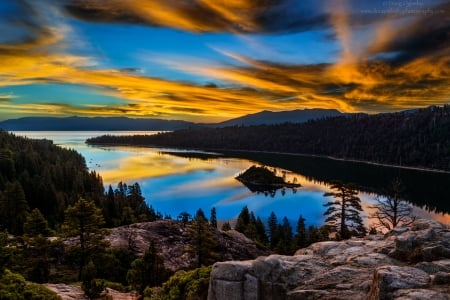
(419, 138)
(39, 174)
(55, 216)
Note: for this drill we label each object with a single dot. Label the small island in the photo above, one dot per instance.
(261, 179)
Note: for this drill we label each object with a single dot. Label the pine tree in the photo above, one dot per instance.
(344, 212)
(37, 247)
(83, 220)
(213, 218)
(261, 231)
(301, 238)
(242, 220)
(13, 208)
(148, 270)
(284, 245)
(226, 226)
(35, 224)
(273, 230)
(184, 217)
(203, 245)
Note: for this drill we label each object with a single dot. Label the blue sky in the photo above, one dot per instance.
(211, 60)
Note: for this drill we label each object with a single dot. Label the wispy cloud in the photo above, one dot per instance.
(390, 68)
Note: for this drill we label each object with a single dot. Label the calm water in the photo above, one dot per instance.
(173, 181)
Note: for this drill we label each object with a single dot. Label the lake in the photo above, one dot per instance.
(174, 180)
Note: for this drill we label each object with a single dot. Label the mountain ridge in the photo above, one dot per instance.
(77, 123)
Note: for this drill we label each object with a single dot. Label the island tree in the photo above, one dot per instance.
(344, 213)
(392, 210)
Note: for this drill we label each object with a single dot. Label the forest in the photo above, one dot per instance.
(56, 216)
(418, 138)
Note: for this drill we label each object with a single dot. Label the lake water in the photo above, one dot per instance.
(173, 181)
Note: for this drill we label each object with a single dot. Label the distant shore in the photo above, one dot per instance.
(422, 169)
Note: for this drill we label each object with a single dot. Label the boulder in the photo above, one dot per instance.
(388, 279)
(172, 239)
(390, 266)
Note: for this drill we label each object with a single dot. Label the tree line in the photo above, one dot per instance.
(413, 138)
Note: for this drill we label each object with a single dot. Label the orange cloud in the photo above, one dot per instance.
(357, 81)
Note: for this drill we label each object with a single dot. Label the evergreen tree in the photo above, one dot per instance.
(285, 242)
(184, 217)
(242, 220)
(203, 245)
(344, 212)
(300, 237)
(147, 271)
(261, 231)
(38, 247)
(83, 220)
(226, 226)
(90, 285)
(273, 230)
(13, 208)
(213, 218)
(35, 224)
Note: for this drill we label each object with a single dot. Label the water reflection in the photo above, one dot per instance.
(173, 181)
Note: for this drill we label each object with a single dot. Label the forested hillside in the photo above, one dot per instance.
(39, 174)
(415, 138)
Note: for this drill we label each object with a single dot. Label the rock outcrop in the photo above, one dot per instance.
(73, 292)
(406, 263)
(172, 238)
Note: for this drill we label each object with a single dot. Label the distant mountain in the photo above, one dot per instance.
(97, 123)
(293, 116)
(124, 123)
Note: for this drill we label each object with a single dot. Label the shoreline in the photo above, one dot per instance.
(422, 169)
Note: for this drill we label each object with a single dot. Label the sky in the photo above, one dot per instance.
(213, 60)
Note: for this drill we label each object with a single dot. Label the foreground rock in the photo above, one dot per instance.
(406, 263)
(67, 292)
(172, 239)
(73, 292)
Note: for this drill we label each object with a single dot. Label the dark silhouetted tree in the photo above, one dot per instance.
(13, 208)
(84, 221)
(202, 243)
(392, 210)
(274, 232)
(148, 271)
(344, 213)
(213, 218)
(301, 237)
(226, 226)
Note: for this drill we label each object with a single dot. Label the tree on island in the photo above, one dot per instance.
(344, 213)
(84, 220)
(392, 210)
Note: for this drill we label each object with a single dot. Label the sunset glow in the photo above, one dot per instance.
(208, 61)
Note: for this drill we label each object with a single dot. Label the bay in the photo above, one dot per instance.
(174, 180)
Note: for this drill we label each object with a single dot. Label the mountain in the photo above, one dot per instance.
(124, 123)
(292, 116)
(413, 139)
(96, 123)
